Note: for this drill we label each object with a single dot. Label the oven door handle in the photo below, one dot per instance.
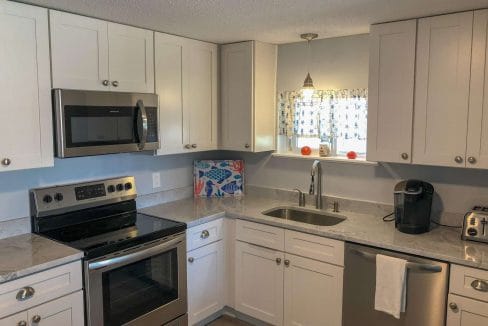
(142, 122)
(135, 256)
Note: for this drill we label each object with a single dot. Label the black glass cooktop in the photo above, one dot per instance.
(100, 234)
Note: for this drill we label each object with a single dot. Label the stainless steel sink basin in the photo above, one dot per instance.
(304, 215)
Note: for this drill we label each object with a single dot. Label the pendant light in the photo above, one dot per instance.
(308, 88)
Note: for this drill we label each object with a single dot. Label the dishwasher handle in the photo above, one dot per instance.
(410, 265)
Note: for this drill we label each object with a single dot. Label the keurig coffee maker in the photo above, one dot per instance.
(413, 202)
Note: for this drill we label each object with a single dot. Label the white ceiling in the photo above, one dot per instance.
(275, 21)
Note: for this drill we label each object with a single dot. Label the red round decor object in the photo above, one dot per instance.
(351, 155)
(306, 150)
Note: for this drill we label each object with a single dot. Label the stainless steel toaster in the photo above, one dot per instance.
(475, 225)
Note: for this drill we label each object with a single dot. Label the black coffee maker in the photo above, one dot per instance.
(413, 202)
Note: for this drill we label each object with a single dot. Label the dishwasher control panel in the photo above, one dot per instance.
(475, 225)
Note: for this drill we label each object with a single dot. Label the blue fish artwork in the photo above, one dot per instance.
(218, 178)
(231, 187)
(219, 175)
(202, 165)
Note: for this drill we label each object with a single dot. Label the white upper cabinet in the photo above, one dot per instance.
(186, 82)
(391, 88)
(93, 54)
(477, 140)
(248, 94)
(442, 89)
(25, 89)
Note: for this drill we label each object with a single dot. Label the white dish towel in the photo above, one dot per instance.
(391, 285)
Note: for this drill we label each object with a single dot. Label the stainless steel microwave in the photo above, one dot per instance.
(94, 123)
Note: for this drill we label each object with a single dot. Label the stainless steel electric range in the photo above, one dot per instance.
(134, 264)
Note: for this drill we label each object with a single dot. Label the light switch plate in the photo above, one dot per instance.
(156, 178)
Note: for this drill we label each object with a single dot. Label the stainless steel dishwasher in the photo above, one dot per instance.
(427, 283)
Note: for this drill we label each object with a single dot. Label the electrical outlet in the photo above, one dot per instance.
(156, 176)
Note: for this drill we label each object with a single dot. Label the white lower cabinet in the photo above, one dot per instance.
(466, 312)
(15, 320)
(313, 292)
(259, 282)
(205, 272)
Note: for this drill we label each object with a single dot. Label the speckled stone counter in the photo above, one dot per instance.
(27, 254)
(441, 243)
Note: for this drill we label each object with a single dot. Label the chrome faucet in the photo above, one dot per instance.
(316, 190)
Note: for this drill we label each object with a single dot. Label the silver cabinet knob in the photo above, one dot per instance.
(36, 319)
(480, 285)
(25, 293)
(191, 259)
(115, 83)
(472, 160)
(453, 305)
(187, 146)
(105, 82)
(22, 323)
(205, 234)
(458, 159)
(287, 263)
(193, 145)
(278, 261)
(247, 146)
(6, 162)
(405, 156)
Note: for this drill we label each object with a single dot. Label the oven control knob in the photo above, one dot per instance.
(58, 197)
(120, 187)
(128, 186)
(111, 188)
(472, 232)
(47, 199)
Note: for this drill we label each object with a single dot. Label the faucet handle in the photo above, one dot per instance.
(301, 197)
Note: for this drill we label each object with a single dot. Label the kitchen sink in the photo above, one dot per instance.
(304, 215)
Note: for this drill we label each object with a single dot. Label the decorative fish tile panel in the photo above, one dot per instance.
(218, 178)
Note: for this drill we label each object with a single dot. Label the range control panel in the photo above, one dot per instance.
(65, 198)
(475, 226)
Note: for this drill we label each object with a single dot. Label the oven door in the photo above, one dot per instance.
(140, 286)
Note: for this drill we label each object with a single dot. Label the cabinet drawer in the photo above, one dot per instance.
(46, 285)
(315, 247)
(260, 234)
(203, 234)
(469, 282)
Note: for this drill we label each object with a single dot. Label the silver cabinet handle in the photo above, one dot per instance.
(141, 124)
(472, 160)
(22, 323)
(205, 234)
(458, 159)
(105, 82)
(191, 259)
(278, 261)
(287, 263)
(36, 319)
(480, 285)
(193, 145)
(187, 146)
(25, 293)
(453, 305)
(405, 156)
(115, 83)
(247, 146)
(6, 161)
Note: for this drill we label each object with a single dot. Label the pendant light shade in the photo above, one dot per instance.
(308, 83)
(308, 88)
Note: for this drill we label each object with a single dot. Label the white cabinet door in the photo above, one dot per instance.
(15, 320)
(173, 128)
(391, 87)
(313, 292)
(237, 96)
(477, 147)
(466, 312)
(79, 52)
(442, 89)
(25, 88)
(200, 93)
(259, 282)
(65, 311)
(131, 58)
(205, 281)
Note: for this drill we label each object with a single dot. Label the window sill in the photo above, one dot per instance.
(335, 159)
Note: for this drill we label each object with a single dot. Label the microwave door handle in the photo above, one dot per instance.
(142, 119)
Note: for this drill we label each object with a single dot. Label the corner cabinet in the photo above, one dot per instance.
(26, 131)
(93, 54)
(186, 82)
(248, 96)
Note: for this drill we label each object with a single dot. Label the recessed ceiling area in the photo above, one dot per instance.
(274, 21)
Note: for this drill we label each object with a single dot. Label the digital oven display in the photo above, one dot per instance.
(88, 192)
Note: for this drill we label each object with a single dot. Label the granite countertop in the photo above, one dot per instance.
(29, 253)
(442, 243)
